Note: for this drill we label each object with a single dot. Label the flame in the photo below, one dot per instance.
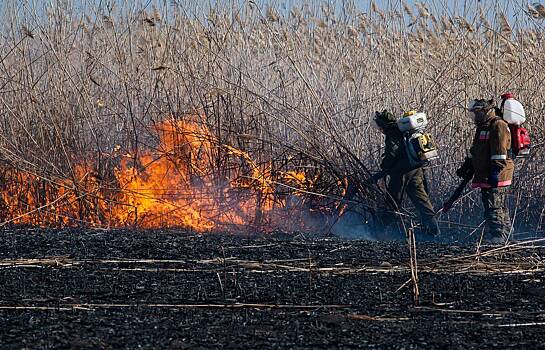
(157, 187)
(188, 180)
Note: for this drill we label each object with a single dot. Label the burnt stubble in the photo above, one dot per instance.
(176, 289)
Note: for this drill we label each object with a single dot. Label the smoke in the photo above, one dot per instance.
(353, 225)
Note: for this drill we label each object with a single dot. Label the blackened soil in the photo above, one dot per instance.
(172, 289)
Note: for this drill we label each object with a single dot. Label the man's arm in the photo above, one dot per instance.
(500, 141)
(391, 154)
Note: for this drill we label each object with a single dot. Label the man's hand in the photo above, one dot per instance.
(466, 171)
(375, 177)
(494, 178)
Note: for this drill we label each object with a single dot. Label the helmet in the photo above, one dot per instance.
(480, 104)
(385, 119)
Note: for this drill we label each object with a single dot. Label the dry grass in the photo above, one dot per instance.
(297, 87)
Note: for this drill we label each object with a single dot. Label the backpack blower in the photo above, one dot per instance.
(419, 145)
(513, 113)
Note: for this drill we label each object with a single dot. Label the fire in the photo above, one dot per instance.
(158, 188)
(188, 180)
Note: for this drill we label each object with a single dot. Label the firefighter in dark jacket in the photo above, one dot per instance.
(488, 160)
(402, 178)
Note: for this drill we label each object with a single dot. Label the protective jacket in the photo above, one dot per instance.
(394, 159)
(489, 154)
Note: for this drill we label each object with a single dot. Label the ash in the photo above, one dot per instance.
(176, 289)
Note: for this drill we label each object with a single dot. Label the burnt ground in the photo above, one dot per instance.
(173, 289)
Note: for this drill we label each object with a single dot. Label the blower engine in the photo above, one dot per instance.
(420, 146)
(514, 115)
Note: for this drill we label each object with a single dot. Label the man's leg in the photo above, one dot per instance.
(496, 213)
(396, 188)
(387, 217)
(416, 190)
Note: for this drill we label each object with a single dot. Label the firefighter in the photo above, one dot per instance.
(492, 169)
(402, 178)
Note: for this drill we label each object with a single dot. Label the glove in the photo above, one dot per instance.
(466, 171)
(374, 178)
(494, 177)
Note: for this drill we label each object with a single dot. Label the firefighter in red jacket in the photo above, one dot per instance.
(491, 166)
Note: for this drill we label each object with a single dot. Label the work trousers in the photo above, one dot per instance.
(414, 184)
(496, 214)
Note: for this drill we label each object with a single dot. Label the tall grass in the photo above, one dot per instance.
(296, 86)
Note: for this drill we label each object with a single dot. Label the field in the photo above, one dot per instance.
(175, 175)
(174, 289)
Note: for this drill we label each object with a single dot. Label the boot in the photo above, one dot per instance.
(495, 240)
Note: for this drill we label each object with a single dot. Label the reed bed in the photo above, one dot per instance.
(295, 88)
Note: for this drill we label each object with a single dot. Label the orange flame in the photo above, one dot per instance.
(178, 184)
